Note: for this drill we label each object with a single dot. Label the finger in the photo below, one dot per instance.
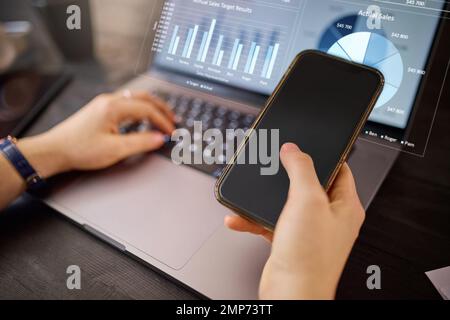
(306, 194)
(344, 197)
(137, 143)
(159, 103)
(344, 187)
(300, 169)
(138, 109)
(240, 224)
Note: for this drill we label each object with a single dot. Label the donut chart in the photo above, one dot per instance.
(376, 51)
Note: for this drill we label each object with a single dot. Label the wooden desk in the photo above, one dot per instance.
(407, 231)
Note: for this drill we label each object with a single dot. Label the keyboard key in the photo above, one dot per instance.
(249, 119)
(218, 122)
(233, 125)
(221, 111)
(190, 122)
(206, 125)
(197, 103)
(178, 119)
(206, 117)
(234, 115)
(187, 111)
(194, 113)
(209, 108)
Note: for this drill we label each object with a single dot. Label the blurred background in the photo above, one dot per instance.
(41, 59)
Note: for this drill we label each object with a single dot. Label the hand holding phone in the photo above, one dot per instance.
(321, 104)
(314, 234)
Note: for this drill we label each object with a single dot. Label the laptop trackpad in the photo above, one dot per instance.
(164, 210)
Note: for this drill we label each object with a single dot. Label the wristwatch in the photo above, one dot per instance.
(8, 147)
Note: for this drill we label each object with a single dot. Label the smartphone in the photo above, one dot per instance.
(321, 104)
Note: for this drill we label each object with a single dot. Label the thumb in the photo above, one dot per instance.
(135, 143)
(300, 169)
(306, 196)
(305, 190)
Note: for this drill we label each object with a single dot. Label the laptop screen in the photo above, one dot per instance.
(248, 44)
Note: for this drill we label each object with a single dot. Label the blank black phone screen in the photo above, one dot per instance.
(318, 106)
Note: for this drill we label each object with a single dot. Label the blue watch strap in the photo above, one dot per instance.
(12, 153)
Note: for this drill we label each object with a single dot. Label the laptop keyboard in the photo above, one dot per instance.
(188, 110)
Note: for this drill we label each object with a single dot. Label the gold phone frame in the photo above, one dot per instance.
(344, 154)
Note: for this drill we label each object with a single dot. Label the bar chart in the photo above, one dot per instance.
(217, 54)
(233, 47)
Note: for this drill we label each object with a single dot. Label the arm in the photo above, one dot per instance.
(39, 152)
(314, 234)
(89, 140)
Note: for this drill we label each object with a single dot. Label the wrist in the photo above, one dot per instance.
(43, 154)
(296, 287)
(279, 282)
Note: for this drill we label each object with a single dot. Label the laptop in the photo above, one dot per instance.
(217, 63)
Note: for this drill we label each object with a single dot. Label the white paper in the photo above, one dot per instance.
(441, 281)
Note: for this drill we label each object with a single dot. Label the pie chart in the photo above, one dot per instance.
(375, 51)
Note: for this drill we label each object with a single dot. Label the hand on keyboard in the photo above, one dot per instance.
(189, 110)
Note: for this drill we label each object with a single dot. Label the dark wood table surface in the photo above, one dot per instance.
(406, 233)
